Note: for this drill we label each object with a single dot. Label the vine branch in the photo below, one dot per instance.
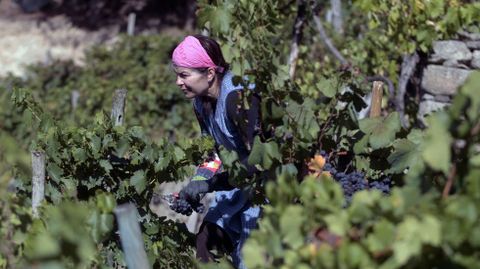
(328, 42)
(324, 129)
(409, 64)
(475, 130)
(7, 249)
(449, 184)
(297, 36)
(323, 35)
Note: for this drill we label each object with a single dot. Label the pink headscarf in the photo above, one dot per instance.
(190, 53)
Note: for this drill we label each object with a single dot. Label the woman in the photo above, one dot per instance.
(203, 75)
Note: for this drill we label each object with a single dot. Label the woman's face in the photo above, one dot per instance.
(192, 82)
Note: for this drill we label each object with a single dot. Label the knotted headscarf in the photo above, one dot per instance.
(190, 53)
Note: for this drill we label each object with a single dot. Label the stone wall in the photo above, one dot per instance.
(448, 67)
(26, 42)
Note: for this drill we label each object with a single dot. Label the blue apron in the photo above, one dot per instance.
(232, 209)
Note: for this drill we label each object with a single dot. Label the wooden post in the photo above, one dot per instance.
(74, 99)
(131, 24)
(337, 19)
(131, 237)
(38, 180)
(118, 107)
(377, 94)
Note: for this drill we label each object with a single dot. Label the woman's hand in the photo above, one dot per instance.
(194, 191)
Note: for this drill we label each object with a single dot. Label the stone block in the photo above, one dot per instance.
(441, 80)
(453, 63)
(469, 35)
(474, 45)
(450, 50)
(426, 107)
(476, 60)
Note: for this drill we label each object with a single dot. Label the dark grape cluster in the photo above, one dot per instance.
(355, 181)
(182, 206)
(381, 185)
(199, 207)
(351, 183)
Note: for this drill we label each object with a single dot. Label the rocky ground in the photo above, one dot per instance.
(31, 38)
(60, 33)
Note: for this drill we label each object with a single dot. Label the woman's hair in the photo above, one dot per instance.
(214, 52)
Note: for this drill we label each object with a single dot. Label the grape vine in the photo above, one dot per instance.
(342, 191)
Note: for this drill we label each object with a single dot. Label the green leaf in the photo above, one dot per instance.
(338, 223)
(255, 156)
(138, 181)
(431, 230)
(405, 154)
(138, 132)
(107, 141)
(27, 118)
(412, 234)
(122, 147)
(96, 145)
(291, 225)
(474, 237)
(105, 164)
(100, 118)
(179, 154)
(408, 242)
(271, 110)
(360, 208)
(416, 136)
(382, 237)
(328, 86)
(42, 245)
(325, 193)
(149, 153)
(100, 225)
(436, 8)
(219, 18)
(361, 146)
(162, 163)
(254, 253)
(436, 150)
(79, 154)
(229, 158)
(264, 154)
(463, 208)
(470, 90)
(53, 193)
(272, 153)
(55, 172)
(354, 255)
(381, 131)
(70, 185)
(106, 202)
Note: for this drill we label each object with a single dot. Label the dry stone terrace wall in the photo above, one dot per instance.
(448, 66)
(25, 42)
